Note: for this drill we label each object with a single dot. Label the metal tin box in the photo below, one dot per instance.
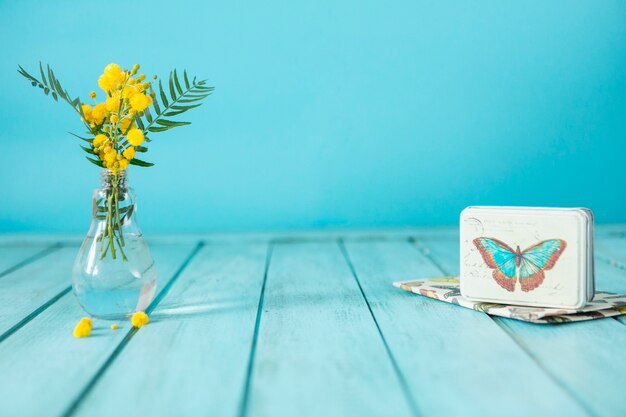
(531, 256)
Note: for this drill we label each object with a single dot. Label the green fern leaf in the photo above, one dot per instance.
(170, 123)
(88, 150)
(95, 162)
(148, 116)
(157, 108)
(158, 129)
(81, 138)
(140, 163)
(172, 92)
(163, 96)
(139, 122)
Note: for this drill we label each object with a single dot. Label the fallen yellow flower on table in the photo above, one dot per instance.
(83, 328)
(139, 319)
(114, 326)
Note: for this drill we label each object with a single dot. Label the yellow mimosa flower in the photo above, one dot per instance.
(123, 163)
(115, 73)
(105, 83)
(130, 90)
(112, 77)
(92, 94)
(110, 156)
(87, 109)
(114, 118)
(98, 113)
(135, 137)
(115, 327)
(139, 319)
(113, 102)
(99, 140)
(140, 102)
(83, 327)
(129, 153)
(127, 123)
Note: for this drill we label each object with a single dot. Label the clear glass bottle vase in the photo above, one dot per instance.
(114, 274)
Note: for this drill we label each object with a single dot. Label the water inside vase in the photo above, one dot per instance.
(110, 288)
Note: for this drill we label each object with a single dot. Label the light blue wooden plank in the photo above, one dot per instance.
(586, 358)
(31, 287)
(610, 230)
(454, 360)
(39, 239)
(611, 267)
(43, 368)
(192, 359)
(612, 251)
(13, 257)
(319, 352)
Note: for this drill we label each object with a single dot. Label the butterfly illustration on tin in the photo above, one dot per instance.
(528, 265)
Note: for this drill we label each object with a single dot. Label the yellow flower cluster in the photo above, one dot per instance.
(83, 328)
(114, 118)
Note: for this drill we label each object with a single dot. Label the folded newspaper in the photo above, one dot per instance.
(604, 304)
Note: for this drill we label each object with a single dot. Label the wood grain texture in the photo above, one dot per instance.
(585, 358)
(319, 352)
(42, 367)
(450, 356)
(192, 358)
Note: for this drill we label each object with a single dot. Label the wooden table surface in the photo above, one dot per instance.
(298, 324)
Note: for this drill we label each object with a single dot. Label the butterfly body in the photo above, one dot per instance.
(518, 256)
(526, 266)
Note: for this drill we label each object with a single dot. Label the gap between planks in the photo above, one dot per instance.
(401, 378)
(245, 397)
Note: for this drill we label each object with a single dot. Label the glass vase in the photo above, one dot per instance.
(114, 273)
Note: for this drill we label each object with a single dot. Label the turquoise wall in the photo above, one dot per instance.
(328, 113)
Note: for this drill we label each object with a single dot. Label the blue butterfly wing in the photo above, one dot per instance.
(537, 259)
(501, 258)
